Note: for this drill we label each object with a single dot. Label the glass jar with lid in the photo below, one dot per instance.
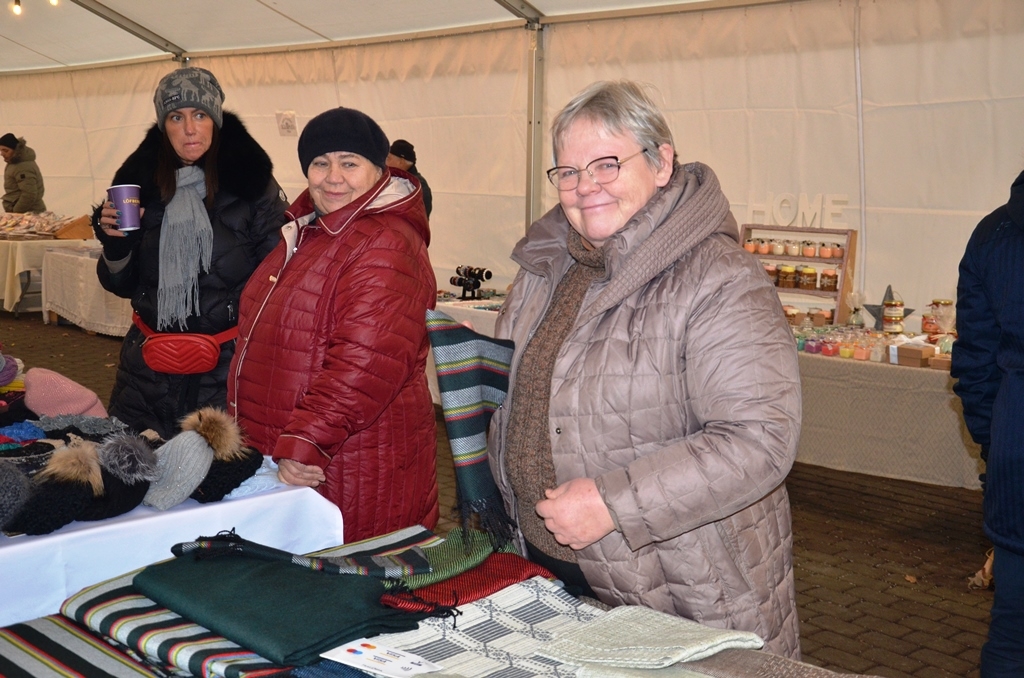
(829, 280)
(787, 276)
(808, 279)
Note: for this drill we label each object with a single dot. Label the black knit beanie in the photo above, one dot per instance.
(51, 506)
(224, 476)
(343, 129)
(9, 141)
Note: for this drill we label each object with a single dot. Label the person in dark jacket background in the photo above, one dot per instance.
(211, 211)
(988, 362)
(23, 182)
(402, 155)
(329, 375)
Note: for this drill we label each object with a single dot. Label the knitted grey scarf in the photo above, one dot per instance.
(186, 237)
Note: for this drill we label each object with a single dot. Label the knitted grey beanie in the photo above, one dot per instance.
(181, 465)
(15, 488)
(190, 87)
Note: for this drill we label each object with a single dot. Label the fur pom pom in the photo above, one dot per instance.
(128, 457)
(76, 463)
(220, 431)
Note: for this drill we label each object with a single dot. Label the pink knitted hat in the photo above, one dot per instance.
(48, 393)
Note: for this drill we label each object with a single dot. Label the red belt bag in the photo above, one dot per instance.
(181, 352)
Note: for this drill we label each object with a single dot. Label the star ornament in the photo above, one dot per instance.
(878, 310)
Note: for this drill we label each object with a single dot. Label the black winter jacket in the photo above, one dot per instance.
(247, 213)
(988, 361)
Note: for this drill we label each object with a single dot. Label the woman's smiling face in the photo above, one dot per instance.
(598, 211)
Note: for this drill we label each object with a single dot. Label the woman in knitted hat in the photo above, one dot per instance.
(328, 377)
(211, 211)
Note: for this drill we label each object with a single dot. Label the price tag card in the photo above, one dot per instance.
(368, 655)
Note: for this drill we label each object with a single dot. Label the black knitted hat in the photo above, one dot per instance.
(9, 141)
(15, 489)
(343, 129)
(127, 464)
(224, 476)
(61, 491)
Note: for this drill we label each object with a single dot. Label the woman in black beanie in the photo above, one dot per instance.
(328, 376)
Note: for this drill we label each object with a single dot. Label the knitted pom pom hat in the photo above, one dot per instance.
(127, 464)
(182, 463)
(50, 393)
(232, 463)
(61, 491)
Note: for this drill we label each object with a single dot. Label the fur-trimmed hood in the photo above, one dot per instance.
(244, 167)
(22, 153)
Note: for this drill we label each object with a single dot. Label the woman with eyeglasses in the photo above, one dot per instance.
(654, 403)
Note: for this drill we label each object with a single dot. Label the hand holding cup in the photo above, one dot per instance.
(122, 212)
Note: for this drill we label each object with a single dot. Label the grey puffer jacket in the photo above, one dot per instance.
(678, 391)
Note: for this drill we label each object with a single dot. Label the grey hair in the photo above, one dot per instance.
(623, 107)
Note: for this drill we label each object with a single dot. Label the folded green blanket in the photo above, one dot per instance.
(286, 614)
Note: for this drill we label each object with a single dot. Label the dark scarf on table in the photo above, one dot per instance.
(531, 469)
(186, 237)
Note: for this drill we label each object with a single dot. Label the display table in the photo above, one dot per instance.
(40, 572)
(475, 312)
(72, 291)
(885, 420)
(25, 256)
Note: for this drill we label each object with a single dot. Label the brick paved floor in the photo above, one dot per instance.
(880, 564)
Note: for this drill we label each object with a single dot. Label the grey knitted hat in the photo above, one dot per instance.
(181, 465)
(15, 488)
(190, 87)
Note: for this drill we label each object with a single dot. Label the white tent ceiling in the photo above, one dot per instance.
(88, 32)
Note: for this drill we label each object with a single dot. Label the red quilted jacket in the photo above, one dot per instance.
(332, 347)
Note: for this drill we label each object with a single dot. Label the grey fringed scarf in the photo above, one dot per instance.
(186, 236)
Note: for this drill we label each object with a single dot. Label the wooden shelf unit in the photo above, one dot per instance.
(846, 238)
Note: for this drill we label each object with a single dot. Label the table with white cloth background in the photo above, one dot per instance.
(71, 290)
(37, 573)
(481, 314)
(20, 259)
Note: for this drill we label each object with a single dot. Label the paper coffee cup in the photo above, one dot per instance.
(126, 200)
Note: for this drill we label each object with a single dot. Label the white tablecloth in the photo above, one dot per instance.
(885, 420)
(17, 256)
(474, 312)
(38, 573)
(71, 290)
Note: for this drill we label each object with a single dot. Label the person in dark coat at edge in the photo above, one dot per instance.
(329, 375)
(211, 211)
(988, 363)
(402, 155)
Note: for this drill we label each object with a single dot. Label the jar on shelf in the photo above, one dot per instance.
(808, 279)
(837, 251)
(792, 248)
(750, 245)
(764, 247)
(825, 250)
(778, 248)
(787, 276)
(773, 273)
(809, 249)
(829, 280)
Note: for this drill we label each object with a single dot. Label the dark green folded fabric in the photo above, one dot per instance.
(281, 612)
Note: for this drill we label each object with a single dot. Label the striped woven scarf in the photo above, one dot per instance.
(472, 376)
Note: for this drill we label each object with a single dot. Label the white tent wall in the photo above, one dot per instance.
(923, 98)
(767, 96)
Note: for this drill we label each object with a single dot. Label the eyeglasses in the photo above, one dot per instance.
(602, 171)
